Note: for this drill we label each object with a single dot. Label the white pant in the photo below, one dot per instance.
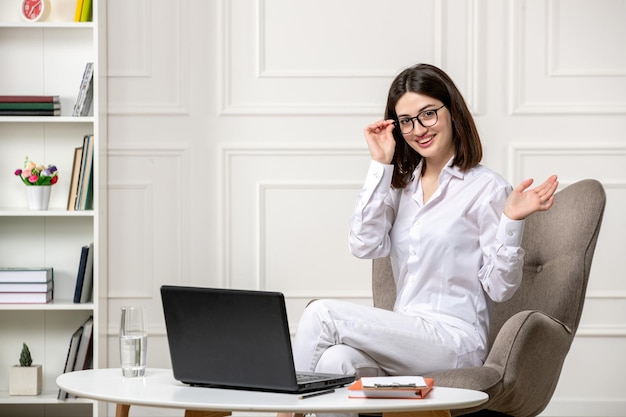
(346, 338)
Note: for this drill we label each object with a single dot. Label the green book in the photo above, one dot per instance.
(30, 106)
(86, 14)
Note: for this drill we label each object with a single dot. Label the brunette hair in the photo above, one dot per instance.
(431, 81)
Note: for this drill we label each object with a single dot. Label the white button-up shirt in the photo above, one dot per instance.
(445, 254)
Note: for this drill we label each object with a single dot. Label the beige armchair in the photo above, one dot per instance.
(530, 334)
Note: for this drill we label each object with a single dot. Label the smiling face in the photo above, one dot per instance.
(426, 87)
(433, 143)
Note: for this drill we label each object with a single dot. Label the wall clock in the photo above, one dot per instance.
(32, 10)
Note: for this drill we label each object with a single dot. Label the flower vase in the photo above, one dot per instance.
(38, 196)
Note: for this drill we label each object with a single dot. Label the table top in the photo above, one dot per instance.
(158, 388)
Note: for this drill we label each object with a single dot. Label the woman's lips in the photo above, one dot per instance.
(425, 141)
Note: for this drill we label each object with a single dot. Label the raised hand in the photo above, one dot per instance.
(521, 203)
(380, 140)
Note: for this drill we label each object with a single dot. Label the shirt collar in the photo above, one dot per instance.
(449, 169)
(453, 170)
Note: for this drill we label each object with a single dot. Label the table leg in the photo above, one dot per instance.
(121, 410)
(203, 413)
(438, 413)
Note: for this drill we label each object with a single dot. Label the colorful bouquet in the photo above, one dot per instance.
(34, 174)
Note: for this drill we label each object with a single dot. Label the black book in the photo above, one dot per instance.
(85, 346)
(71, 358)
(80, 276)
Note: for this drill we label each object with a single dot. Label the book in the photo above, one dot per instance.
(86, 14)
(86, 198)
(50, 105)
(86, 292)
(78, 10)
(28, 99)
(26, 274)
(80, 275)
(53, 112)
(85, 92)
(409, 387)
(25, 297)
(85, 180)
(73, 192)
(85, 346)
(81, 170)
(26, 286)
(70, 359)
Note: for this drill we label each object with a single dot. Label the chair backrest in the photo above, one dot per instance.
(559, 246)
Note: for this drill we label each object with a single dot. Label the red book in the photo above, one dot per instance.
(28, 99)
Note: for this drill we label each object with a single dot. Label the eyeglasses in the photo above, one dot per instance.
(426, 118)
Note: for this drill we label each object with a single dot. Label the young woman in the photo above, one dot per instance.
(452, 228)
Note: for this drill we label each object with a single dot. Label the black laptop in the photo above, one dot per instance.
(238, 339)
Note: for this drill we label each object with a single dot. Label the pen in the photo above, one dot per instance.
(315, 394)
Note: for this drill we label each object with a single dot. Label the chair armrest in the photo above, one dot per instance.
(531, 346)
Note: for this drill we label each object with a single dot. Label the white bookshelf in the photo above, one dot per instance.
(48, 58)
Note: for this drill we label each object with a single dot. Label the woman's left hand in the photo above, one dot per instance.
(521, 203)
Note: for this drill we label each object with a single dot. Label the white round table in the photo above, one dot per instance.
(158, 388)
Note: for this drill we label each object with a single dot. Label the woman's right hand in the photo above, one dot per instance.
(380, 140)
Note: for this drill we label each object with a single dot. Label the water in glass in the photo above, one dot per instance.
(133, 342)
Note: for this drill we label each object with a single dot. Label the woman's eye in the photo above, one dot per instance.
(428, 114)
(404, 122)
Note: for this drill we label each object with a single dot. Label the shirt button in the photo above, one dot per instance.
(509, 233)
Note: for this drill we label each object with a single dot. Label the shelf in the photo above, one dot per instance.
(49, 58)
(44, 398)
(45, 213)
(45, 119)
(47, 25)
(54, 305)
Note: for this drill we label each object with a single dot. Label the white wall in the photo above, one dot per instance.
(236, 149)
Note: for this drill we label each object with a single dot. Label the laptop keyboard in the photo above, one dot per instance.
(304, 378)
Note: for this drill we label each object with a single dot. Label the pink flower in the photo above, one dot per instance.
(34, 174)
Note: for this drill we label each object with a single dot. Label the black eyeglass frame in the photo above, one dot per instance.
(414, 118)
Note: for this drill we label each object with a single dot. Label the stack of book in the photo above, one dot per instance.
(26, 285)
(19, 105)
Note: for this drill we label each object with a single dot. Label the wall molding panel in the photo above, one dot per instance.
(548, 72)
(262, 212)
(149, 70)
(144, 203)
(139, 196)
(275, 244)
(287, 81)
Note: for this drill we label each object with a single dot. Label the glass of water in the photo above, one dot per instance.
(133, 342)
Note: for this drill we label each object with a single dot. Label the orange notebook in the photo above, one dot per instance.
(356, 390)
